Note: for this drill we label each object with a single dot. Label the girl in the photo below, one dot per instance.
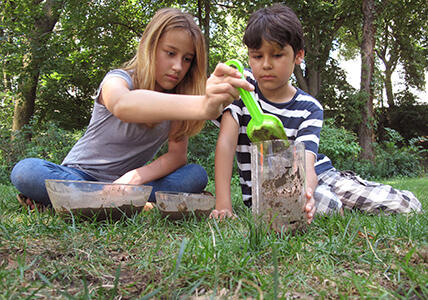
(155, 97)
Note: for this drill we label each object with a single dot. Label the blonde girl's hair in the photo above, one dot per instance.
(142, 66)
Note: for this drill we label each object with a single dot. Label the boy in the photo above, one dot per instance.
(274, 38)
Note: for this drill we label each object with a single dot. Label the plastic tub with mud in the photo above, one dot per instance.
(175, 205)
(96, 199)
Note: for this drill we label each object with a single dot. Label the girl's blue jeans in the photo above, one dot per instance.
(29, 175)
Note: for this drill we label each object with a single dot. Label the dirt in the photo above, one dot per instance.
(176, 206)
(284, 201)
(102, 213)
(281, 190)
(263, 134)
(177, 215)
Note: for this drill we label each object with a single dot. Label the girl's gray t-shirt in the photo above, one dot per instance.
(110, 147)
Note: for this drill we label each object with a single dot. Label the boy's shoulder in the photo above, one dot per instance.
(304, 99)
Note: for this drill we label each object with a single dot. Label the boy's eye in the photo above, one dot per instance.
(278, 55)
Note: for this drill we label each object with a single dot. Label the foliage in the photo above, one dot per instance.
(409, 119)
(321, 21)
(392, 160)
(335, 92)
(48, 142)
(338, 143)
(356, 256)
(393, 157)
(202, 148)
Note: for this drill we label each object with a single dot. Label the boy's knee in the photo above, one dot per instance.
(326, 201)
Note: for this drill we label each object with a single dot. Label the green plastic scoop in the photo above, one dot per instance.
(262, 126)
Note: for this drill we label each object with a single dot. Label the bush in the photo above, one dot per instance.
(202, 148)
(408, 119)
(47, 142)
(391, 160)
(338, 144)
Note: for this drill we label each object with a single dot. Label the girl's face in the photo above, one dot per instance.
(174, 56)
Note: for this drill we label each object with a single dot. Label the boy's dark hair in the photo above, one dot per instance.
(277, 23)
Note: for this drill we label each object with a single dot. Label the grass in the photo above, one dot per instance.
(351, 257)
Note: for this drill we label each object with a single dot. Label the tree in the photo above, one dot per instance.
(366, 132)
(400, 37)
(57, 52)
(321, 22)
(41, 17)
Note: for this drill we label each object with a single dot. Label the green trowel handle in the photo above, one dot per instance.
(247, 97)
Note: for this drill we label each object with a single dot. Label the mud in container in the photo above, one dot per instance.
(278, 184)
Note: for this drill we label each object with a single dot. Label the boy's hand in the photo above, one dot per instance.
(222, 213)
(310, 206)
(221, 89)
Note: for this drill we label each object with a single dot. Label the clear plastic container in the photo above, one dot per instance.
(94, 198)
(278, 184)
(175, 205)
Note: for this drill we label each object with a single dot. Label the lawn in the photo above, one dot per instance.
(353, 256)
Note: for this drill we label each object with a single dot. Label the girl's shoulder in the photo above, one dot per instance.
(125, 75)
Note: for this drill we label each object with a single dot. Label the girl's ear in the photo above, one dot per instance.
(300, 55)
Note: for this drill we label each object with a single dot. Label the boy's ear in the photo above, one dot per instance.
(300, 55)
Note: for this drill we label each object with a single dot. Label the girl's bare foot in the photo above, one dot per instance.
(27, 202)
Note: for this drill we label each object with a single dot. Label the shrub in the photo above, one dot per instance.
(338, 143)
(202, 148)
(391, 160)
(48, 142)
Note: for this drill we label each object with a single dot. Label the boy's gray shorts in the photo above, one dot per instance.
(345, 189)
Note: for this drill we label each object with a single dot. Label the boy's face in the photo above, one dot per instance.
(272, 67)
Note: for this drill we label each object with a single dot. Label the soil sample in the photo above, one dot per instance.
(278, 184)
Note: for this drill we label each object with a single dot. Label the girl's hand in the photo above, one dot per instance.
(221, 89)
(130, 177)
(221, 214)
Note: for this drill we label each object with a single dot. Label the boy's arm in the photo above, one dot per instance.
(311, 184)
(224, 154)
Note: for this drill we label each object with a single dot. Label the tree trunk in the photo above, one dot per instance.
(366, 133)
(204, 21)
(388, 86)
(43, 25)
(24, 105)
(301, 81)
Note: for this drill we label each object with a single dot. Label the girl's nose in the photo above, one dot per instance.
(178, 65)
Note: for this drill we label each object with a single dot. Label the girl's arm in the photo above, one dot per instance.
(146, 106)
(224, 154)
(167, 163)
